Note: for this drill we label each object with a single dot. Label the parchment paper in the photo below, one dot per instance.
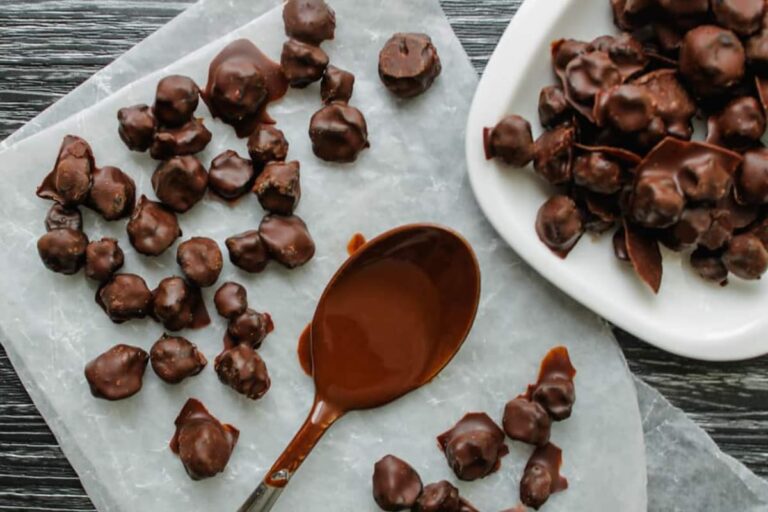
(413, 172)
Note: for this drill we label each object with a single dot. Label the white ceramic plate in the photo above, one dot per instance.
(689, 316)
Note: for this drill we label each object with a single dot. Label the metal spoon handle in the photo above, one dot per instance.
(264, 497)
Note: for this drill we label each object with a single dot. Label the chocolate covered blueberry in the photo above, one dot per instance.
(175, 358)
(113, 193)
(70, 180)
(739, 125)
(287, 240)
(338, 133)
(124, 297)
(541, 477)
(553, 106)
(752, 178)
(176, 99)
(553, 155)
(311, 21)
(200, 261)
(231, 300)
(267, 144)
(440, 496)
(409, 64)
(302, 63)
(597, 172)
(152, 227)
(230, 176)
(62, 217)
(336, 85)
(712, 60)
(188, 139)
(510, 140)
(180, 182)
(241, 368)
(396, 485)
(527, 421)
(102, 259)
(746, 257)
(474, 446)
(657, 200)
(559, 224)
(63, 250)
(278, 187)
(137, 125)
(589, 73)
(178, 305)
(744, 17)
(249, 328)
(709, 265)
(247, 251)
(117, 373)
(554, 388)
(704, 178)
(626, 108)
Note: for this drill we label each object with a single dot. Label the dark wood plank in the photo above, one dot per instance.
(48, 47)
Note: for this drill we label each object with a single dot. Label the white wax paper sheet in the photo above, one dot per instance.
(413, 172)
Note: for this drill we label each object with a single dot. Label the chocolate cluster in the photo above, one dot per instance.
(474, 446)
(285, 239)
(617, 144)
(117, 373)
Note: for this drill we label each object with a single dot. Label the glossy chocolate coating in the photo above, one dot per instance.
(117, 373)
(553, 155)
(527, 421)
(267, 144)
(709, 266)
(287, 240)
(671, 100)
(137, 125)
(396, 485)
(175, 358)
(311, 21)
(187, 139)
(249, 328)
(694, 224)
(712, 60)
(241, 368)
(553, 106)
(564, 51)
(756, 49)
(302, 63)
(153, 228)
(338, 133)
(231, 300)
(625, 51)
(113, 194)
(63, 250)
(409, 64)
(70, 180)
(474, 446)
(102, 259)
(336, 85)
(176, 100)
(178, 305)
(739, 125)
(589, 73)
(510, 140)
(597, 172)
(752, 178)
(626, 108)
(278, 187)
(746, 257)
(559, 224)
(247, 251)
(657, 200)
(744, 17)
(124, 297)
(202, 442)
(704, 178)
(230, 176)
(60, 217)
(180, 182)
(554, 388)
(440, 496)
(200, 261)
(541, 477)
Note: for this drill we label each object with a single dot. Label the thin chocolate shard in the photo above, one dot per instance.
(645, 256)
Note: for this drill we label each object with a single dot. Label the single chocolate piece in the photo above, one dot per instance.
(178, 305)
(744, 17)
(302, 63)
(553, 106)
(117, 373)
(247, 251)
(230, 175)
(124, 297)
(180, 182)
(704, 178)
(627, 108)
(644, 254)
(657, 200)
(739, 126)
(396, 485)
(311, 21)
(474, 446)
(409, 64)
(176, 100)
(278, 187)
(338, 132)
(625, 51)
(63, 250)
(287, 240)
(241, 368)
(153, 228)
(202, 442)
(712, 60)
(200, 261)
(61, 217)
(752, 184)
(564, 51)
(70, 180)
(709, 266)
(440, 496)
(113, 194)
(102, 259)
(336, 85)
(249, 328)
(746, 257)
(137, 126)
(553, 155)
(242, 80)
(597, 172)
(554, 388)
(541, 477)
(527, 421)
(267, 144)
(559, 224)
(671, 100)
(231, 300)
(188, 139)
(175, 358)
(510, 140)
(589, 73)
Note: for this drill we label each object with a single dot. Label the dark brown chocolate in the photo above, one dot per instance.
(153, 228)
(70, 180)
(336, 85)
(302, 63)
(709, 265)
(137, 125)
(527, 421)
(231, 300)
(672, 102)
(113, 193)
(267, 144)
(559, 224)
(124, 297)
(598, 172)
(510, 140)
(554, 388)
(705, 178)
(645, 256)
(202, 442)
(396, 485)
(176, 99)
(178, 305)
(746, 257)
(409, 64)
(230, 176)
(241, 368)
(739, 126)
(249, 328)
(626, 108)
(247, 251)
(474, 446)
(278, 187)
(744, 17)
(440, 496)
(175, 358)
(61, 217)
(311, 21)
(180, 182)
(63, 250)
(541, 477)
(287, 240)
(553, 154)
(712, 60)
(338, 133)
(553, 106)
(589, 73)
(756, 49)
(564, 51)
(752, 178)
(117, 373)
(187, 139)
(102, 259)
(626, 52)
(200, 261)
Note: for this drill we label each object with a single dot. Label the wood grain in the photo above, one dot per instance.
(47, 47)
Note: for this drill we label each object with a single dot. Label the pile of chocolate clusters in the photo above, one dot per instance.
(474, 447)
(617, 141)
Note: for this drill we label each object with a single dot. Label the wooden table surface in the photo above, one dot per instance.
(47, 47)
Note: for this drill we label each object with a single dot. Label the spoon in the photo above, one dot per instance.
(388, 322)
